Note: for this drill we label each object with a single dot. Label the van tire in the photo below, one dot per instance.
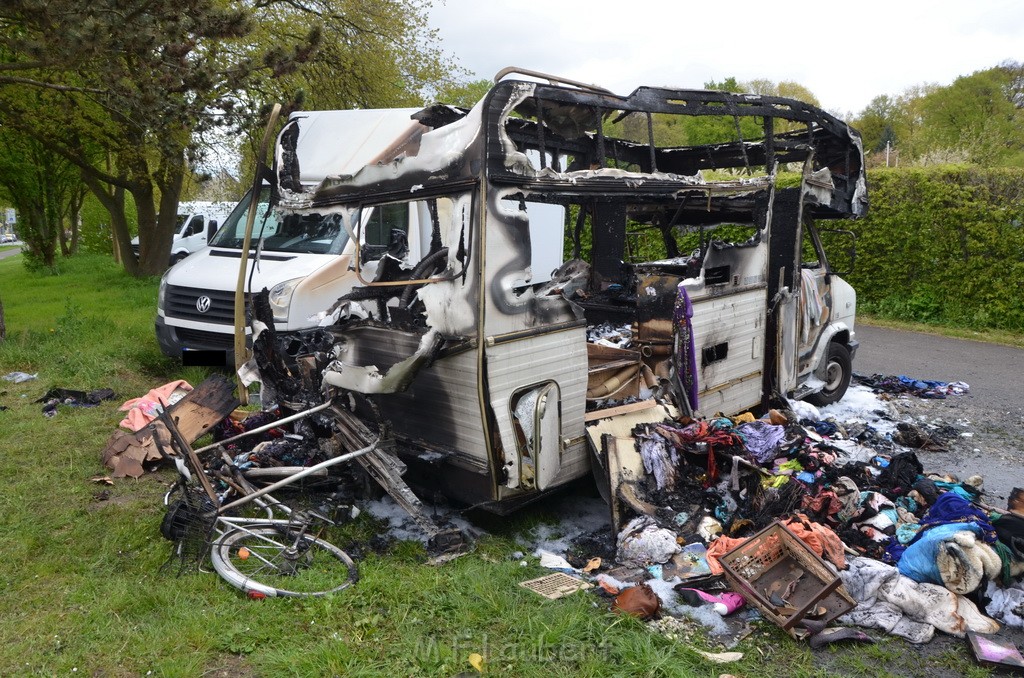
(838, 371)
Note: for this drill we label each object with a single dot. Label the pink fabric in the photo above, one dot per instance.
(143, 410)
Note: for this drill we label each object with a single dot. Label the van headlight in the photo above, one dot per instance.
(281, 298)
(161, 294)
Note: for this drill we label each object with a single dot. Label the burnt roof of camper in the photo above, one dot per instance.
(555, 142)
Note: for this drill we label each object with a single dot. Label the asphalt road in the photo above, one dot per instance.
(10, 253)
(991, 415)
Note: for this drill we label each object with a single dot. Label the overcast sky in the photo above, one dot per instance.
(846, 53)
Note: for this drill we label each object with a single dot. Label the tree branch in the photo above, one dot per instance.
(11, 80)
(23, 66)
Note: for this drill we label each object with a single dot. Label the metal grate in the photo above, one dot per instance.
(554, 586)
(180, 302)
(201, 339)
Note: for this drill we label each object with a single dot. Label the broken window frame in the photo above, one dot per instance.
(829, 141)
(355, 228)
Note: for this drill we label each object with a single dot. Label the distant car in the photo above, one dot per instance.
(7, 237)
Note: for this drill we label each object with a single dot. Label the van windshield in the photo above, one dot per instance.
(309, 233)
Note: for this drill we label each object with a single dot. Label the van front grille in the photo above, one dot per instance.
(200, 339)
(183, 302)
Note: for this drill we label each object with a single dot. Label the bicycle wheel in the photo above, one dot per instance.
(275, 561)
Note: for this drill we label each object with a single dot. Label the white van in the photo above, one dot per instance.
(306, 261)
(197, 222)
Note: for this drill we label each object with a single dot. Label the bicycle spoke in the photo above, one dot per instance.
(260, 558)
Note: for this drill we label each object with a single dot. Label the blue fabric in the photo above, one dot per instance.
(906, 532)
(919, 384)
(951, 508)
(761, 439)
(893, 552)
(969, 493)
(907, 503)
(825, 428)
(919, 559)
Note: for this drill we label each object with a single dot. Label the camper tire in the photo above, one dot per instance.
(838, 370)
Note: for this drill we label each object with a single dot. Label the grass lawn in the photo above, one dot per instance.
(85, 590)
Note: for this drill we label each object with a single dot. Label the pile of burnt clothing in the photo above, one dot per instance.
(917, 539)
(64, 396)
(276, 446)
(614, 336)
(922, 388)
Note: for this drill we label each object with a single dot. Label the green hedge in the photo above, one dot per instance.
(943, 245)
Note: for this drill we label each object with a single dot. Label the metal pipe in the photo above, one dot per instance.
(541, 136)
(250, 219)
(650, 141)
(267, 427)
(301, 474)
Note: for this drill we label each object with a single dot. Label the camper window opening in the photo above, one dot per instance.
(411, 240)
(652, 236)
(810, 250)
(386, 224)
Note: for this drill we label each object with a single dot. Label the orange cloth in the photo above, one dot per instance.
(819, 538)
(720, 547)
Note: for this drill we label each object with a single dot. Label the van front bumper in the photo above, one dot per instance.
(195, 347)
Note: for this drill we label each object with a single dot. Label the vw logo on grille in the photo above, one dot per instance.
(203, 304)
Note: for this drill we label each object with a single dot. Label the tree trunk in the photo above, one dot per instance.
(40, 238)
(65, 240)
(157, 224)
(113, 201)
(76, 218)
(115, 247)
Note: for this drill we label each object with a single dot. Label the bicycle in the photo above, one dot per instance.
(263, 555)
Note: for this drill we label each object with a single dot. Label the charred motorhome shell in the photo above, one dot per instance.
(484, 377)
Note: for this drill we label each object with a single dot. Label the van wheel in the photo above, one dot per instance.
(837, 376)
(177, 257)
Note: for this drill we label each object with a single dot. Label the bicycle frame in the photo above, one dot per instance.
(190, 455)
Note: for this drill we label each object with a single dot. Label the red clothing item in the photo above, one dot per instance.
(819, 538)
(825, 503)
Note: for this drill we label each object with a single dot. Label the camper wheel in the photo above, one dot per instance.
(837, 376)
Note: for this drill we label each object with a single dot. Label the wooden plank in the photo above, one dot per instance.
(667, 411)
(201, 409)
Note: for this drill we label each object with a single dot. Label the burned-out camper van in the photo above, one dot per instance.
(692, 281)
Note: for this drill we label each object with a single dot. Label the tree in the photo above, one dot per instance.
(878, 121)
(131, 91)
(379, 55)
(980, 114)
(372, 55)
(465, 94)
(46, 190)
